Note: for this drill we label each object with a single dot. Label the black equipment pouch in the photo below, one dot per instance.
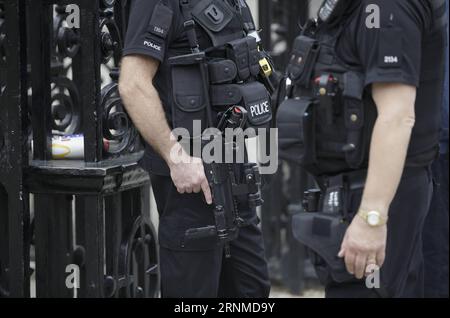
(238, 52)
(296, 121)
(222, 71)
(190, 93)
(252, 96)
(244, 52)
(303, 60)
(355, 120)
(258, 104)
(254, 56)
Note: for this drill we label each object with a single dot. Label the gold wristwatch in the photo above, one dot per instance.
(373, 218)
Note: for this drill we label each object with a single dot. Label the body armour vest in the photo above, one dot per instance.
(327, 119)
(233, 72)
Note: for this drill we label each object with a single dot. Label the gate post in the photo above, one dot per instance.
(14, 241)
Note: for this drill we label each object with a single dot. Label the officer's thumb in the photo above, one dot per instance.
(341, 253)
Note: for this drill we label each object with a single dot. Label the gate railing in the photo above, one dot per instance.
(66, 140)
(14, 232)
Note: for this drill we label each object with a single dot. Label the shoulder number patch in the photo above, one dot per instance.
(391, 59)
(390, 48)
(160, 21)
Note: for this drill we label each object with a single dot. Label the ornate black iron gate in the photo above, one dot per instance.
(90, 213)
(13, 197)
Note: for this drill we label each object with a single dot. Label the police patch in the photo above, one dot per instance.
(153, 45)
(390, 48)
(258, 104)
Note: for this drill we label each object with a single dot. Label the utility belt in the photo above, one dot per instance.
(326, 215)
(204, 87)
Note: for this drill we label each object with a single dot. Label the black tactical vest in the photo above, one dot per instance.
(326, 122)
(211, 80)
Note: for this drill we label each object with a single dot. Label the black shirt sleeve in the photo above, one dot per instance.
(389, 48)
(149, 28)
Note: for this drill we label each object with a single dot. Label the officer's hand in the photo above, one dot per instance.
(363, 248)
(188, 175)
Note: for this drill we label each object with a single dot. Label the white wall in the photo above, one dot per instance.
(253, 4)
(314, 7)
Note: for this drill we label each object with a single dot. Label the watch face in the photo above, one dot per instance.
(373, 218)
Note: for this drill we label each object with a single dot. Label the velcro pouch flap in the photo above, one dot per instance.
(222, 71)
(225, 95)
(188, 87)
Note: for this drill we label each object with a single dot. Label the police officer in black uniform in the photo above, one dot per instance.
(187, 60)
(362, 115)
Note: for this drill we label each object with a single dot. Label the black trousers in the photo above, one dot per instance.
(402, 275)
(436, 233)
(199, 269)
